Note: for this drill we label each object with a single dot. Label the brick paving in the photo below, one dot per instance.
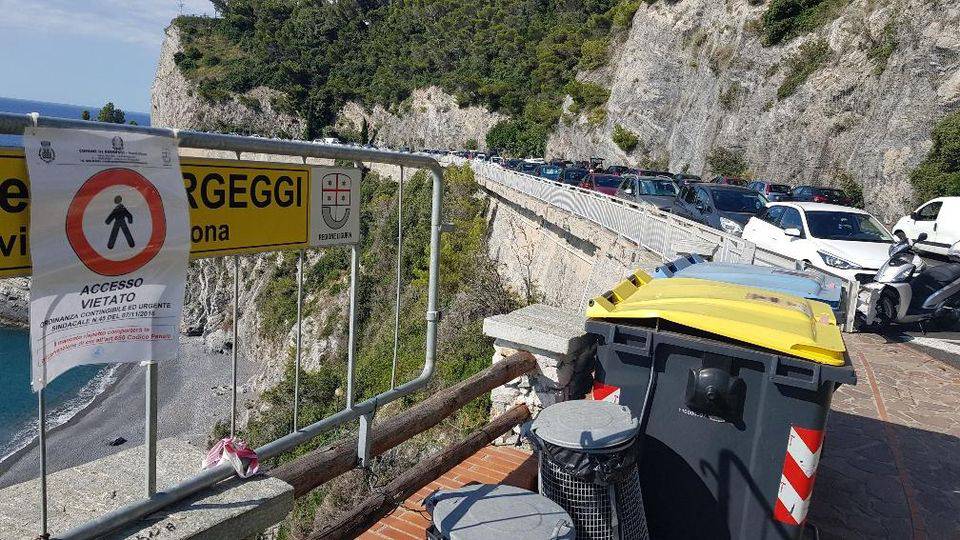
(491, 465)
(890, 466)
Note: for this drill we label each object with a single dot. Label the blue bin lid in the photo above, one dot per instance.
(802, 284)
(585, 425)
(485, 511)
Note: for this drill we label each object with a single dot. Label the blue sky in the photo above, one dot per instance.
(85, 52)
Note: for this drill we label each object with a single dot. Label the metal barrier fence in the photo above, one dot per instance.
(662, 233)
(14, 124)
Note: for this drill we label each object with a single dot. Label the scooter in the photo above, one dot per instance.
(904, 292)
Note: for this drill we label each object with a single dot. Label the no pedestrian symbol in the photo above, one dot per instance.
(116, 223)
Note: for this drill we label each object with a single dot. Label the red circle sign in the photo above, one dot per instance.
(90, 189)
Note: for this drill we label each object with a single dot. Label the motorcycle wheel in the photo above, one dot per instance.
(886, 310)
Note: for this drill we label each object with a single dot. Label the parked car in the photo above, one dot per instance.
(773, 192)
(573, 176)
(685, 178)
(618, 170)
(729, 181)
(820, 195)
(841, 240)
(655, 190)
(528, 167)
(654, 172)
(723, 207)
(604, 183)
(550, 172)
(596, 164)
(513, 164)
(939, 218)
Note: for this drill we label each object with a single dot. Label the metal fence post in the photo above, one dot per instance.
(351, 330)
(42, 445)
(236, 345)
(296, 362)
(150, 432)
(396, 319)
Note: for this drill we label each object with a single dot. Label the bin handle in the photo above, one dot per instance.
(811, 383)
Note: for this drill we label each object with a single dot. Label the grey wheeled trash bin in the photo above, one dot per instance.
(485, 511)
(588, 453)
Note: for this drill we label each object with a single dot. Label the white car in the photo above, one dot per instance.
(844, 241)
(939, 218)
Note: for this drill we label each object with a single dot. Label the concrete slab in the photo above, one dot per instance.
(539, 326)
(235, 509)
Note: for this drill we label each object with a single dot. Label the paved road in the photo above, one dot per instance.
(889, 467)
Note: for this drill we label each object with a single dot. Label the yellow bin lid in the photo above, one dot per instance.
(773, 320)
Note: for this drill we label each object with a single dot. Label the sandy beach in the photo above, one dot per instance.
(189, 408)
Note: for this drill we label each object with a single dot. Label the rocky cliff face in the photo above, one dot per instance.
(429, 118)
(693, 75)
(175, 103)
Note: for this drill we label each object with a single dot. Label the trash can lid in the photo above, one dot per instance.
(799, 283)
(585, 424)
(484, 511)
(773, 320)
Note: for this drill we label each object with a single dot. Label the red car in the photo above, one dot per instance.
(604, 183)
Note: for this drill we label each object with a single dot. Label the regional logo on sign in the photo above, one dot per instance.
(335, 189)
(115, 222)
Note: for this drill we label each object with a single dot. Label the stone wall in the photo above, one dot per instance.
(563, 351)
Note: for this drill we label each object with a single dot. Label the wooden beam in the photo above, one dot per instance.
(311, 470)
(362, 517)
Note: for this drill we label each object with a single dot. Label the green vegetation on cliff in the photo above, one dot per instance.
(513, 56)
(470, 290)
(939, 173)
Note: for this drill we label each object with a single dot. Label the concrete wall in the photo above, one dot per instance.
(553, 257)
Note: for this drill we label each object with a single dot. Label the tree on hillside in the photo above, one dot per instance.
(112, 114)
(85, 115)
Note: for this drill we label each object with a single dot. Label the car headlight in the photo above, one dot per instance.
(731, 226)
(836, 262)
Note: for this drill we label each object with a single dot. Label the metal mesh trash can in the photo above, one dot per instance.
(485, 511)
(588, 452)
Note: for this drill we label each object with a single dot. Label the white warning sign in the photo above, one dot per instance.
(110, 237)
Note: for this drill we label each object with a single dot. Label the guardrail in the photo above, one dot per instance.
(662, 233)
(15, 124)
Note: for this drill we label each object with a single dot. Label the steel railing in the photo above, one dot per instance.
(15, 124)
(661, 233)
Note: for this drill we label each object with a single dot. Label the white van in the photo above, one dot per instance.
(939, 218)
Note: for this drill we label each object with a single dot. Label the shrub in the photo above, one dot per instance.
(854, 191)
(727, 162)
(624, 138)
(728, 98)
(593, 53)
(938, 174)
(882, 48)
(808, 59)
(586, 95)
(622, 14)
(471, 144)
(518, 138)
(787, 19)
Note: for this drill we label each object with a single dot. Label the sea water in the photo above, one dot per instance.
(71, 392)
(61, 110)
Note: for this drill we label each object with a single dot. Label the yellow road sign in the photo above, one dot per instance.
(236, 207)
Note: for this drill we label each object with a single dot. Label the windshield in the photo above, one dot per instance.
(850, 226)
(729, 200)
(778, 188)
(607, 180)
(658, 187)
(574, 175)
(733, 182)
(829, 193)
